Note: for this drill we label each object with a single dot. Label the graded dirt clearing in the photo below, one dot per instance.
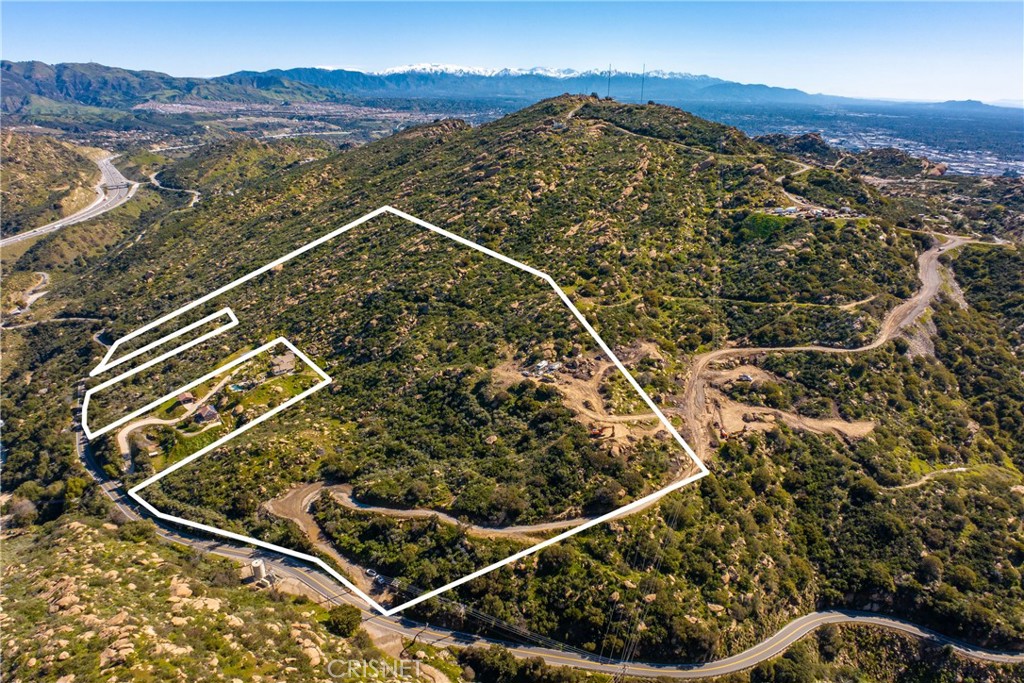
(579, 383)
(699, 410)
(733, 417)
(294, 506)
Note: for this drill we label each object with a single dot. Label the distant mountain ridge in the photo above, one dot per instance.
(103, 86)
(457, 70)
(972, 136)
(457, 82)
(23, 84)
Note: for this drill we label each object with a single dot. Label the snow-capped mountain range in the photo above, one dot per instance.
(457, 70)
(520, 85)
(508, 85)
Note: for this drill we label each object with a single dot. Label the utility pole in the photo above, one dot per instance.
(643, 78)
(609, 93)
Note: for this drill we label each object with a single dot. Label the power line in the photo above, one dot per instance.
(519, 632)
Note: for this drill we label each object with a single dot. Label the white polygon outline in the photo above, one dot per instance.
(171, 394)
(105, 364)
(626, 509)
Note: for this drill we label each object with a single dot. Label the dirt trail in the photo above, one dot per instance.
(52, 320)
(798, 202)
(38, 291)
(854, 304)
(156, 183)
(928, 477)
(31, 295)
(694, 404)
(294, 506)
(527, 532)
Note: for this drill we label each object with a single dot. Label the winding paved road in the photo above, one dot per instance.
(311, 581)
(113, 191)
(325, 590)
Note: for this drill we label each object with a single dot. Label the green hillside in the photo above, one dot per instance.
(27, 84)
(90, 602)
(43, 180)
(226, 166)
(96, 100)
(668, 232)
(610, 214)
(429, 406)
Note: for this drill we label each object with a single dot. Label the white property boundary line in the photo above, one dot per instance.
(104, 365)
(134, 491)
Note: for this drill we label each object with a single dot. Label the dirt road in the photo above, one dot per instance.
(32, 294)
(294, 506)
(156, 183)
(52, 320)
(693, 408)
(122, 434)
(798, 202)
(527, 532)
(37, 292)
(928, 477)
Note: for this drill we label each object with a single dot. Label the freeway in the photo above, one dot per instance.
(112, 191)
(314, 583)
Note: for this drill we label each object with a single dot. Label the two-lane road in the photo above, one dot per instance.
(329, 592)
(112, 191)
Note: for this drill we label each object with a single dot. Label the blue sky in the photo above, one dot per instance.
(918, 50)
